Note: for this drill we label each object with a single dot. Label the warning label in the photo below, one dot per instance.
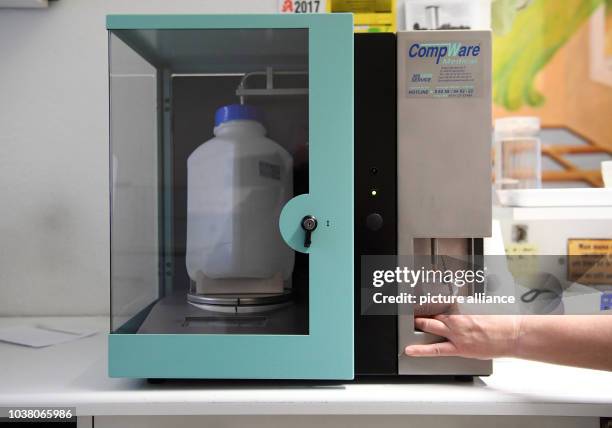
(590, 261)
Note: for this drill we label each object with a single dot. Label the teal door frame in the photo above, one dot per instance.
(327, 351)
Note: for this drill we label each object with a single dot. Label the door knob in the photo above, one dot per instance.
(309, 224)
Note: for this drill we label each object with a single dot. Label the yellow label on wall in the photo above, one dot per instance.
(521, 260)
(522, 249)
(302, 6)
(370, 16)
(590, 261)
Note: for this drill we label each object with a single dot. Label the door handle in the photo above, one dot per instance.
(309, 224)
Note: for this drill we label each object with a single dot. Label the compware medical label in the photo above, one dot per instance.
(443, 69)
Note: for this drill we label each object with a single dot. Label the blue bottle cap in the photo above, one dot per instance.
(236, 112)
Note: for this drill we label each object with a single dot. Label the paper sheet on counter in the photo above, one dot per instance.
(41, 336)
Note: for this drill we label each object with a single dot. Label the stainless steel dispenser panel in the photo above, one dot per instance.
(443, 159)
(444, 137)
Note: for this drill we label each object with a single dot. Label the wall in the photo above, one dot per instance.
(54, 227)
(572, 100)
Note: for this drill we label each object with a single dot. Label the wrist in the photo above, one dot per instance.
(517, 336)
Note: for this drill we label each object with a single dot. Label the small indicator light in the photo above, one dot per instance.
(374, 192)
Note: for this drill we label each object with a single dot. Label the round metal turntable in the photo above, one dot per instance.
(241, 303)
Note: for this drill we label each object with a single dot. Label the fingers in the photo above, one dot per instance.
(433, 326)
(443, 318)
(443, 349)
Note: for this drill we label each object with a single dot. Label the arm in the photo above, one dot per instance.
(575, 340)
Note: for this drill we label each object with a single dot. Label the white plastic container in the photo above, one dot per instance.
(518, 153)
(237, 185)
(447, 14)
(606, 173)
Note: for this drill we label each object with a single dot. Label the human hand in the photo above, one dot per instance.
(471, 336)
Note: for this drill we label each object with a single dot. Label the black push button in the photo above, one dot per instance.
(374, 221)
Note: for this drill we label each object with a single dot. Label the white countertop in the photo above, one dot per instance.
(74, 375)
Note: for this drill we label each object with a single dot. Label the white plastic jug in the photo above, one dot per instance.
(237, 185)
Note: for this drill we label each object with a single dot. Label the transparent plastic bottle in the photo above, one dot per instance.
(518, 153)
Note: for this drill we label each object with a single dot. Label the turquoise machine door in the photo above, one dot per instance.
(231, 138)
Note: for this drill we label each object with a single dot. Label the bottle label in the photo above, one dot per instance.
(269, 170)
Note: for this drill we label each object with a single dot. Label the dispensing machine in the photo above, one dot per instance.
(251, 171)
